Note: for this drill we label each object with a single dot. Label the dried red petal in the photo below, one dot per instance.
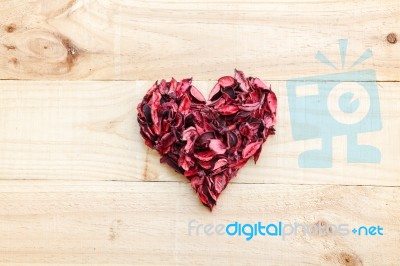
(215, 92)
(249, 106)
(226, 81)
(197, 94)
(251, 149)
(184, 106)
(244, 83)
(220, 163)
(257, 83)
(186, 162)
(220, 183)
(217, 146)
(167, 140)
(232, 139)
(204, 155)
(205, 164)
(205, 138)
(190, 135)
(228, 109)
(171, 161)
(271, 98)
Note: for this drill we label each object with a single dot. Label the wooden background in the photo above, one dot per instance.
(77, 184)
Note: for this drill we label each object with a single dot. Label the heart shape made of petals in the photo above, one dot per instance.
(208, 141)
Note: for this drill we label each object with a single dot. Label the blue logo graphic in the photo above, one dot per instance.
(279, 229)
(344, 103)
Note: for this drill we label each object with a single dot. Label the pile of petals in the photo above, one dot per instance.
(208, 141)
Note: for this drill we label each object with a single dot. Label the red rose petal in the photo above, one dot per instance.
(204, 155)
(167, 139)
(215, 92)
(226, 81)
(251, 149)
(244, 83)
(197, 94)
(257, 83)
(271, 98)
(217, 146)
(249, 106)
(205, 164)
(219, 183)
(220, 163)
(228, 109)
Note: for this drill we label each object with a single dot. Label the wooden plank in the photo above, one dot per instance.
(88, 131)
(147, 40)
(81, 222)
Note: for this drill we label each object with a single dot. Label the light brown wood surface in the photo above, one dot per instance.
(147, 40)
(101, 222)
(78, 185)
(87, 130)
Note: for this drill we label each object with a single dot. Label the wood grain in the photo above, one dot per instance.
(88, 131)
(77, 184)
(148, 40)
(142, 223)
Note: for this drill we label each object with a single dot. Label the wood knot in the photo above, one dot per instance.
(13, 61)
(10, 28)
(322, 228)
(349, 259)
(72, 52)
(114, 228)
(9, 47)
(391, 38)
(344, 258)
